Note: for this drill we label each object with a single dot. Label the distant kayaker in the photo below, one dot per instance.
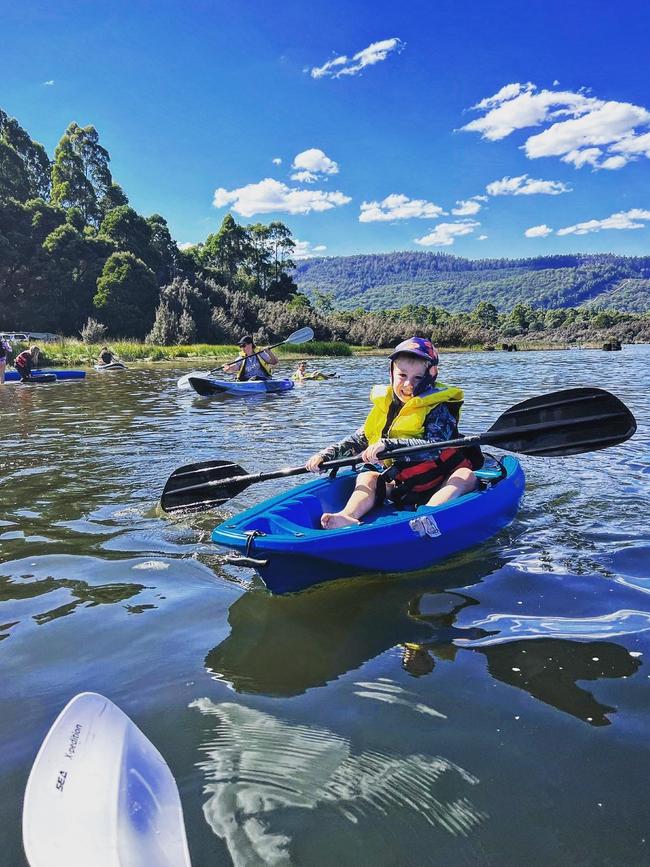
(106, 356)
(301, 373)
(5, 349)
(253, 363)
(26, 361)
(413, 410)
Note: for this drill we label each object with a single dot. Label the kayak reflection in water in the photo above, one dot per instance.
(252, 363)
(363, 622)
(413, 410)
(546, 668)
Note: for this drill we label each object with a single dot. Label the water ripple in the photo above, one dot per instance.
(258, 766)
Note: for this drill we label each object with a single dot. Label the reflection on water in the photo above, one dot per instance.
(549, 668)
(259, 769)
(286, 645)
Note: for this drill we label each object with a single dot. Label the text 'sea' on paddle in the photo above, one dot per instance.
(557, 424)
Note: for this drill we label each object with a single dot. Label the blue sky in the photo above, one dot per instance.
(530, 120)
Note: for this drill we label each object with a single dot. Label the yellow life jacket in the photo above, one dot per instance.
(409, 421)
(266, 367)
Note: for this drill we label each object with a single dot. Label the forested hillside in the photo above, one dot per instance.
(76, 258)
(375, 282)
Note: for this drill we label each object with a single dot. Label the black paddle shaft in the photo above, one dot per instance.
(562, 423)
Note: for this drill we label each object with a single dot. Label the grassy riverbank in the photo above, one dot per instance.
(75, 353)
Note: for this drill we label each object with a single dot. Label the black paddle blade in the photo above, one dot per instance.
(205, 387)
(563, 423)
(196, 487)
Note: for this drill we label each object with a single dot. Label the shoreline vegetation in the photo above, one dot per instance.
(76, 353)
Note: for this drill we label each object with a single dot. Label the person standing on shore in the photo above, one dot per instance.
(5, 349)
(252, 363)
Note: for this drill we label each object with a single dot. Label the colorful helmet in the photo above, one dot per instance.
(420, 347)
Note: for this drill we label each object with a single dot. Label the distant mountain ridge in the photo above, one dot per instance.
(386, 280)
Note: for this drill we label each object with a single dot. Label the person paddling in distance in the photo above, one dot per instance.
(252, 363)
(413, 410)
(26, 361)
(106, 356)
(301, 373)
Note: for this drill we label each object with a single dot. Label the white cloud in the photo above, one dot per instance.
(585, 157)
(397, 206)
(517, 106)
(186, 245)
(636, 144)
(482, 238)
(621, 220)
(304, 250)
(304, 177)
(277, 161)
(344, 65)
(603, 125)
(614, 163)
(538, 231)
(270, 196)
(49, 83)
(467, 207)
(522, 185)
(444, 234)
(582, 130)
(315, 161)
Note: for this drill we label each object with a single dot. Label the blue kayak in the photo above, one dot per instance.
(206, 386)
(14, 376)
(282, 539)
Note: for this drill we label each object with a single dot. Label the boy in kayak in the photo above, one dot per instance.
(26, 361)
(253, 363)
(414, 409)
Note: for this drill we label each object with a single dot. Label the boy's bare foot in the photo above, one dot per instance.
(334, 520)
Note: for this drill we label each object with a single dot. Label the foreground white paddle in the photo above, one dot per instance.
(100, 794)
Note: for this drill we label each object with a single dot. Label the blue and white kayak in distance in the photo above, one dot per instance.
(14, 376)
(206, 386)
(283, 541)
(113, 365)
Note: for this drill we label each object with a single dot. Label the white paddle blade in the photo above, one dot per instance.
(303, 335)
(184, 381)
(99, 793)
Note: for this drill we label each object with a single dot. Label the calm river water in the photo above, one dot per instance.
(494, 710)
